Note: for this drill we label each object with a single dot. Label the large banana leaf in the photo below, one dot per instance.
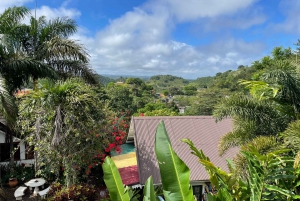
(113, 181)
(149, 193)
(175, 175)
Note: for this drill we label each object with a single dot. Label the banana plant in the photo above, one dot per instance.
(222, 195)
(272, 176)
(149, 193)
(175, 175)
(220, 178)
(113, 181)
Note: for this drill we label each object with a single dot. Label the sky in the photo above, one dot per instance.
(185, 38)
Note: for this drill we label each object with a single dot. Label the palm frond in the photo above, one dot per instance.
(283, 74)
(18, 70)
(11, 17)
(62, 27)
(263, 144)
(8, 108)
(62, 48)
(263, 113)
(291, 136)
(74, 68)
(243, 132)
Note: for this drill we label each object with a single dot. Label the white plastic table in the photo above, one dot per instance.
(35, 183)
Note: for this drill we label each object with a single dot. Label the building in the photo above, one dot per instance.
(22, 155)
(202, 130)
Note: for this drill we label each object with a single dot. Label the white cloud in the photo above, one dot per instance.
(291, 24)
(140, 41)
(193, 9)
(8, 3)
(52, 13)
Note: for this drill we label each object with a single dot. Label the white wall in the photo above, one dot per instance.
(2, 137)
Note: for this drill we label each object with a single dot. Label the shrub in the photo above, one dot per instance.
(21, 172)
(76, 192)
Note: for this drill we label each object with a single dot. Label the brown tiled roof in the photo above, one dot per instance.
(202, 130)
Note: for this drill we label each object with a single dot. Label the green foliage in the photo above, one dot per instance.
(134, 81)
(222, 195)
(149, 193)
(152, 106)
(291, 137)
(165, 82)
(21, 172)
(157, 109)
(190, 90)
(75, 192)
(203, 82)
(263, 144)
(8, 107)
(175, 174)
(271, 176)
(103, 80)
(113, 181)
(229, 78)
(204, 102)
(121, 99)
(252, 118)
(218, 177)
(64, 122)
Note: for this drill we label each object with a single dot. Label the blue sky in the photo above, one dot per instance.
(190, 38)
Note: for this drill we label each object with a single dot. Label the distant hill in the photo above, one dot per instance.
(226, 80)
(104, 80)
(164, 82)
(116, 77)
(201, 82)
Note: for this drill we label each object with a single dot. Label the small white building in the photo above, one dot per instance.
(22, 155)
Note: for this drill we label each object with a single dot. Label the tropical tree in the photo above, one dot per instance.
(48, 42)
(272, 104)
(66, 123)
(271, 176)
(252, 118)
(120, 99)
(157, 109)
(16, 68)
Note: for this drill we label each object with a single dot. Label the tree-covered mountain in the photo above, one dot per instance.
(164, 82)
(104, 80)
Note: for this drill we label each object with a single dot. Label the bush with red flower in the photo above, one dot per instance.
(69, 126)
(118, 126)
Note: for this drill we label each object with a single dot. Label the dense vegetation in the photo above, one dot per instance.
(73, 123)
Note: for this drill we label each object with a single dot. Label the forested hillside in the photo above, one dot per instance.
(165, 82)
(104, 80)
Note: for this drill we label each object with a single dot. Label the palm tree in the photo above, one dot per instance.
(267, 111)
(48, 42)
(16, 67)
(252, 118)
(38, 50)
